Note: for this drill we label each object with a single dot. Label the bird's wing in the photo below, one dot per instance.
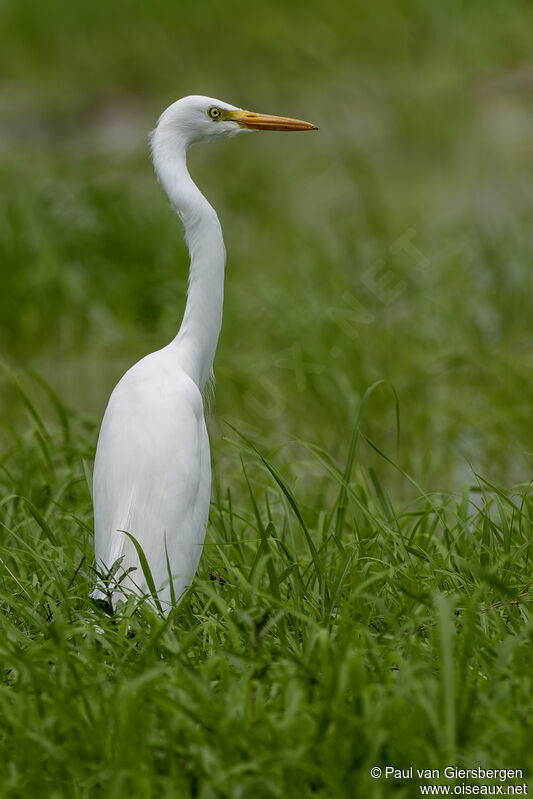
(152, 474)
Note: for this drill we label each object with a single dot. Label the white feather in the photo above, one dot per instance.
(152, 475)
(152, 471)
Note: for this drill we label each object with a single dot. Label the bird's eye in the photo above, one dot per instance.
(214, 112)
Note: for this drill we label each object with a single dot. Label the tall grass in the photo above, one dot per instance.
(315, 643)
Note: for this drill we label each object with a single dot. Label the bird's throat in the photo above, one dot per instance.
(197, 338)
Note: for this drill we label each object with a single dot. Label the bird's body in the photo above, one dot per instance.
(160, 473)
(152, 474)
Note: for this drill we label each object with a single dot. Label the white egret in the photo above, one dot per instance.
(152, 473)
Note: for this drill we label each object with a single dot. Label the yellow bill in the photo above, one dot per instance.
(253, 121)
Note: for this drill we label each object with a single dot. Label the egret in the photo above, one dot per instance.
(152, 471)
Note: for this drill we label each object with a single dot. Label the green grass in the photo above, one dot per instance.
(364, 594)
(317, 641)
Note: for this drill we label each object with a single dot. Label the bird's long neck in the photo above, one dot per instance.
(197, 338)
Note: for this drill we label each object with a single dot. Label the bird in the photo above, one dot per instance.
(152, 470)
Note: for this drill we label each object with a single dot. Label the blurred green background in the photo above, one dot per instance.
(394, 244)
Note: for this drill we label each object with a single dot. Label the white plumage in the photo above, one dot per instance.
(152, 474)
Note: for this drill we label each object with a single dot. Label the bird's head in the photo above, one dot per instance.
(197, 118)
